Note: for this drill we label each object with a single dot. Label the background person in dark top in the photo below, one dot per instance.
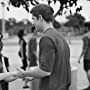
(54, 68)
(86, 55)
(22, 50)
(32, 50)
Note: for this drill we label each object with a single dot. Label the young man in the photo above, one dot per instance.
(54, 55)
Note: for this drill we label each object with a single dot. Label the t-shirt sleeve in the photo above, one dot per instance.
(46, 54)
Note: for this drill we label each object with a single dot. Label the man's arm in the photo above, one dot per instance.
(11, 77)
(46, 61)
(35, 72)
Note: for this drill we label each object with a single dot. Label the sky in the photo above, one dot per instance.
(20, 13)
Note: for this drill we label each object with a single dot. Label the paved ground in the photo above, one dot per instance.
(11, 48)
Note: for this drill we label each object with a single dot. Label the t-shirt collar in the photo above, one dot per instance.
(47, 30)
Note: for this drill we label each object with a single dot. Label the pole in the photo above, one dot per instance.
(5, 35)
(3, 20)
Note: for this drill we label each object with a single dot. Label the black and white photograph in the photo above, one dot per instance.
(44, 44)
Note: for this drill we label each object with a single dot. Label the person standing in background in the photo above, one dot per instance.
(86, 55)
(32, 49)
(22, 50)
(32, 54)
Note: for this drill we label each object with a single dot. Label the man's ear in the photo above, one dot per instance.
(40, 17)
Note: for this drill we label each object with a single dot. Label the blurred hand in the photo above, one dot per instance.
(14, 73)
(20, 73)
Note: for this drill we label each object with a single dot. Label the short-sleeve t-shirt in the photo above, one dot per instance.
(54, 57)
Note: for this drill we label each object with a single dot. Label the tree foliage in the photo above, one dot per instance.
(76, 21)
(63, 4)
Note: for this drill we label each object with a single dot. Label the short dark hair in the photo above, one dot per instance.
(44, 10)
(56, 24)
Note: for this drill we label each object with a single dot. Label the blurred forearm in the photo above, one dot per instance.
(5, 75)
(36, 72)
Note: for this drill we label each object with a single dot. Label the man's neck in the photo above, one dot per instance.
(47, 26)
